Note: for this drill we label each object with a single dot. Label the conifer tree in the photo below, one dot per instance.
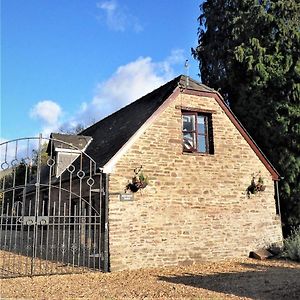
(250, 51)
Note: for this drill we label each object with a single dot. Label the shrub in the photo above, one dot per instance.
(291, 246)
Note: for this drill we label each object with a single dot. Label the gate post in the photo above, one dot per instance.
(106, 231)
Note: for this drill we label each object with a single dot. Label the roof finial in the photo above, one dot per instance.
(187, 66)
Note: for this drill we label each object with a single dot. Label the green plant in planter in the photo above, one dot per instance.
(138, 181)
(257, 184)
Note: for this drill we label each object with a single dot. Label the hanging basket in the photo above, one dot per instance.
(138, 181)
(256, 185)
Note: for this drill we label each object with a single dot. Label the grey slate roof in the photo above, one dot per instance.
(112, 132)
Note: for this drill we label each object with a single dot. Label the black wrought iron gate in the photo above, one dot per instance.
(53, 205)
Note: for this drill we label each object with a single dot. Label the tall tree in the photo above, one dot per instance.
(250, 51)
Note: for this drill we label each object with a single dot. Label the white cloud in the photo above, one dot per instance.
(47, 110)
(49, 113)
(128, 83)
(118, 18)
(109, 6)
(176, 57)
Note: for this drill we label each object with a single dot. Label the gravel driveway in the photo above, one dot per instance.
(237, 279)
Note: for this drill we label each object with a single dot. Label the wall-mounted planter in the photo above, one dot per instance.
(257, 185)
(138, 181)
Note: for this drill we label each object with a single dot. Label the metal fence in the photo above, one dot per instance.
(53, 209)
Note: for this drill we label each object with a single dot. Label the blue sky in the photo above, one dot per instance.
(65, 62)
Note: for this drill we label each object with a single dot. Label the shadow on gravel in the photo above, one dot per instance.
(260, 282)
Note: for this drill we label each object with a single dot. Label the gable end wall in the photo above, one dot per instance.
(195, 207)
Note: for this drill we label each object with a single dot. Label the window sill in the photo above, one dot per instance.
(197, 153)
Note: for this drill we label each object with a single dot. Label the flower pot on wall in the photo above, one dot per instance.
(138, 181)
(132, 187)
(257, 185)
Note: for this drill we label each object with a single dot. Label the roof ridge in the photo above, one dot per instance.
(196, 83)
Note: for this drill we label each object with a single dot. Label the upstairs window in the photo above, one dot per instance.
(197, 132)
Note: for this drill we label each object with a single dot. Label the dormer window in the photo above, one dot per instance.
(197, 132)
(64, 158)
(65, 149)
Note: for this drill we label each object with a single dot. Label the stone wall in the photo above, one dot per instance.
(195, 207)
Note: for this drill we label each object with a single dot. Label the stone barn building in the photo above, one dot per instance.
(172, 178)
(202, 189)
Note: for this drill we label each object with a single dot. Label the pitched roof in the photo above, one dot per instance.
(113, 132)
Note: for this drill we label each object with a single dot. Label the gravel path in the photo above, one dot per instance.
(238, 279)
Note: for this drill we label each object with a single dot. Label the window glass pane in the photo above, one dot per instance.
(189, 141)
(201, 124)
(201, 147)
(188, 123)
